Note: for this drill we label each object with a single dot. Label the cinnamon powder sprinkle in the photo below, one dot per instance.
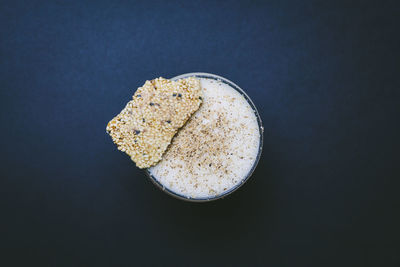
(215, 149)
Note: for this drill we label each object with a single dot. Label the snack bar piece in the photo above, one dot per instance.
(146, 126)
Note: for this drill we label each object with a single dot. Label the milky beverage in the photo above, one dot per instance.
(216, 149)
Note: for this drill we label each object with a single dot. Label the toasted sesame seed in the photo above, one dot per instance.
(147, 145)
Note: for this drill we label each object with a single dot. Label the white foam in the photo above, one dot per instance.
(216, 149)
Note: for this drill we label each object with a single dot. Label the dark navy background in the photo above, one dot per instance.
(324, 76)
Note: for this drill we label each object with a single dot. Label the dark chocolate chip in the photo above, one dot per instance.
(168, 121)
(179, 95)
(138, 95)
(151, 104)
(144, 120)
(137, 132)
(200, 98)
(173, 94)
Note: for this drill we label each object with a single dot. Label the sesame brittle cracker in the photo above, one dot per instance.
(146, 126)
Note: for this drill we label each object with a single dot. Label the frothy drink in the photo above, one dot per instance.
(216, 149)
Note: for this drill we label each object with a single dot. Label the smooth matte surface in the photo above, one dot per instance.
(324, 76)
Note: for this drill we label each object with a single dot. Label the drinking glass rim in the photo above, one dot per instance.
(260, 128)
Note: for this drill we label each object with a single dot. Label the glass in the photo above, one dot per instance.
(260, 127)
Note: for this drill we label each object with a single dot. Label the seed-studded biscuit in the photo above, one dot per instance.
(146, 126)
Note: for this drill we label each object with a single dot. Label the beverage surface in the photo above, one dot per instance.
(217, 147)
